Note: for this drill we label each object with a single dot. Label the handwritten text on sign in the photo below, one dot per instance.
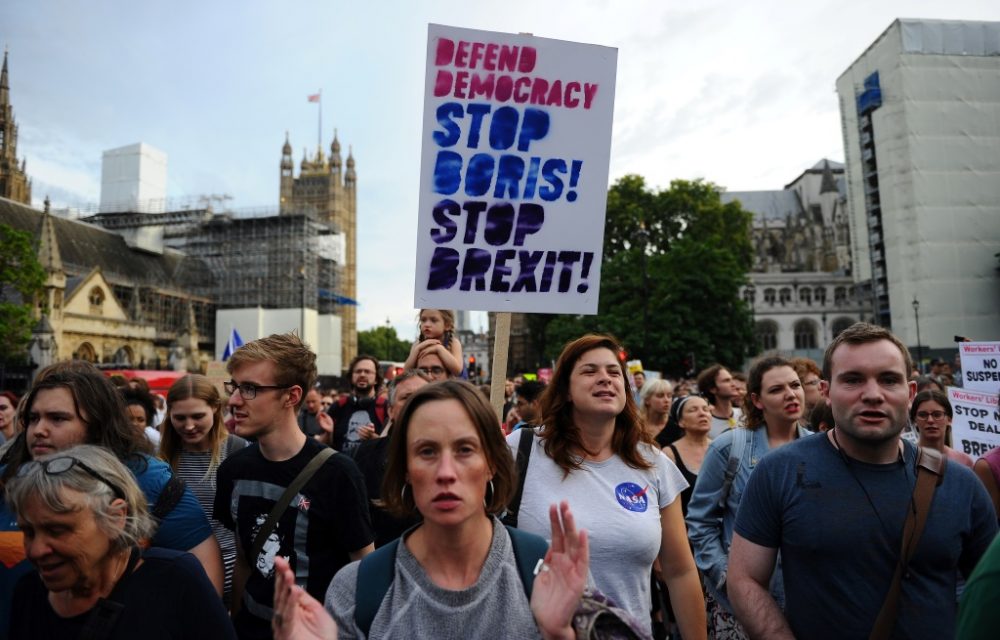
(517, 133)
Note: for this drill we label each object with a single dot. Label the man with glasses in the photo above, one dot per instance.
(361, 415)
(433, 368)
(325, 525)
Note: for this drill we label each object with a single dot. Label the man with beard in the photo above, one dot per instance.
(361, 415)
(835, 505)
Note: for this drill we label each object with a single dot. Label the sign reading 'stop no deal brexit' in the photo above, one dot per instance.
(514, 172)
(975, 424)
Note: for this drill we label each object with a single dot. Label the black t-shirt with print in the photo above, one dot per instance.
(349, 417)
(325, 521)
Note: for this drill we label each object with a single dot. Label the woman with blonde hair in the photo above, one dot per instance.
(194, 443)
(655, 399)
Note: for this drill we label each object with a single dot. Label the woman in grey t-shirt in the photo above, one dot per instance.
(454, 576)
(593, 451)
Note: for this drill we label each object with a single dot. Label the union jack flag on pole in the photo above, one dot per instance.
(314, 97)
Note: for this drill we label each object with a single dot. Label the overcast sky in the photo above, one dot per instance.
(739, 93)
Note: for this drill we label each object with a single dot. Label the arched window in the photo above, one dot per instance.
(766, 333)
(96, 297)
(85, 352)
(769, 296)
(840, 324)
(785, 295)
(819, 295)
(750, 295)
(840, 295)
(805, 295)
(123, 355)
(805, 334)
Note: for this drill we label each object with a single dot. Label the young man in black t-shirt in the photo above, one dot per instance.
(325, 526)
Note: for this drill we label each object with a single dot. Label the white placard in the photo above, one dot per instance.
(980, 366)
(514, 172)
(975, 425)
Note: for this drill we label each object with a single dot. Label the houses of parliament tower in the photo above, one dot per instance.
(14, 183)
(328, 188)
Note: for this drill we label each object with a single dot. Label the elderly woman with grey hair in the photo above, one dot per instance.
(84, 520)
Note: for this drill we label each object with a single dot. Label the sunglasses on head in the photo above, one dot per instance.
(61, 464)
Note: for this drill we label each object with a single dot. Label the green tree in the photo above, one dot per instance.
(383, 343)
(22, 278)
(674, 262)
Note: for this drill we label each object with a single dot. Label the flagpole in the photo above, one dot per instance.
(319, 130)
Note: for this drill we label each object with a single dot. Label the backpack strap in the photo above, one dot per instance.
(524, 446)
(170, 495)
(528, 550)
(375, 574)
(930, 467)
(284, 500)
(736, 450)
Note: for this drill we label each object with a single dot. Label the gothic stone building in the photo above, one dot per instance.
(14, 183)
(801, 289)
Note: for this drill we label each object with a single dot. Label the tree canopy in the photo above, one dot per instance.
(383, 343)
(674, 262)
(22, 278)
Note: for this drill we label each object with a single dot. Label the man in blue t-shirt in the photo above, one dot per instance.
(835, 504)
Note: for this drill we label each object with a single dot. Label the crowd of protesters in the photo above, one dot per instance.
(779, 502)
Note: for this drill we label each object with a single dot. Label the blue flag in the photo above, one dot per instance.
(234, 343)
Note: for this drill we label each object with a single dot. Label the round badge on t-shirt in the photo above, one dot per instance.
(632, 496)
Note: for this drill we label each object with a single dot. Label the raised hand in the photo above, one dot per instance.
(559, 585)
(297, 615)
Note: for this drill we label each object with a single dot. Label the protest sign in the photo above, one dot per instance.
(975, 424)
(980, 366)
(514, 172)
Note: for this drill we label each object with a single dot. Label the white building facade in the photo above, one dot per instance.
(920, 110)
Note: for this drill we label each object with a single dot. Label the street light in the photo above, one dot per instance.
(643, 241)
(920, 347)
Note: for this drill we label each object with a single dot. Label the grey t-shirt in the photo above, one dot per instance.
(618, 506)
(414, 607)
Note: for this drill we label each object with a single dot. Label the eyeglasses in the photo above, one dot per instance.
(811, 383)
(432, 371)
(248, 390)
(937, 415)
(62, 464)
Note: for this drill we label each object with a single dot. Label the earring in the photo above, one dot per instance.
(402, 493)
(486, 501)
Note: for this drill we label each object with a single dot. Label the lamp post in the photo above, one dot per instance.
(920, 347)
(643, 240)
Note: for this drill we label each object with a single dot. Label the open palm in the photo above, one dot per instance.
(556, 593)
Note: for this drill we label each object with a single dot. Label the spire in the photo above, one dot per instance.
(335, 161)
(828, 183)
(349, 175)
(48, 244)
(4, 82)
(286, 149)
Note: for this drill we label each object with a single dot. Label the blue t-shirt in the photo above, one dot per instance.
(838, 523)
(183, 528)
